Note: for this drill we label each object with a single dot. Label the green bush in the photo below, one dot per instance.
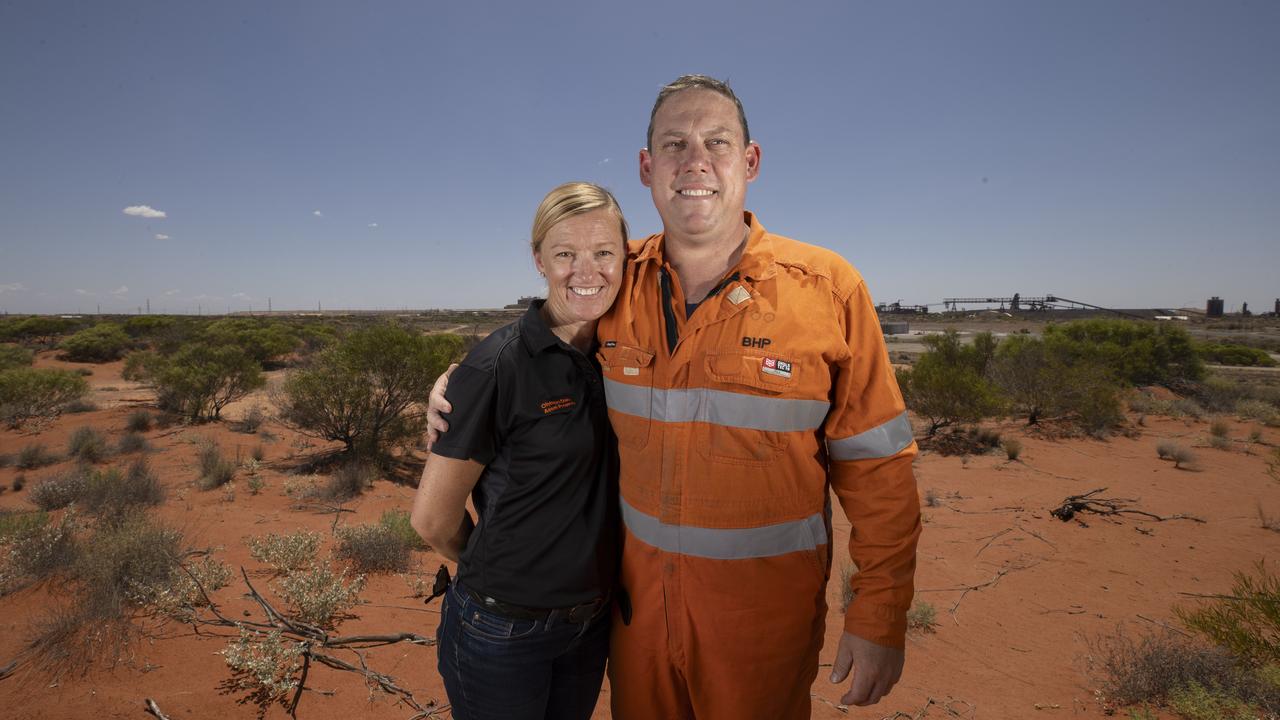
(27, 393)
(197, 381)
(365, 391)
(285, 552)
(61, 490)
(1194, 702)
(374, 549)
(147, 325)
(126, 564)
(33, 456)
(1136, 353)
(139, 421)
(1245, 621)
(318, 594)
(1240, 355)
(37, 551)
(37, 329)
(397, 522)
(215, 470)
(13, 356)
(922, 617)
(88, 445)
(15, 522)
(111, 494)
(347, 482)
(103, 342)
(265, 341)
(132, 442)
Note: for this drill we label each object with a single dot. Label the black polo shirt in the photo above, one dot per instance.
(531, 409)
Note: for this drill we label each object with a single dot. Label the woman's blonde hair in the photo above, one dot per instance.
(568, 200)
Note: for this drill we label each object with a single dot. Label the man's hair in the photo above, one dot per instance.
(568, 200)
(697, 82)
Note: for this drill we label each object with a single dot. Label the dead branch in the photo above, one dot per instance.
(1164, 625)
(153, 709)
(1089, 502)
(969, 710)
(7, 670)
(844, 709)
(966, 589)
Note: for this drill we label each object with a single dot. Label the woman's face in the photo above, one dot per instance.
(581, 257)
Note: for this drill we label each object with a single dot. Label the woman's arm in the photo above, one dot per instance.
(440, 508)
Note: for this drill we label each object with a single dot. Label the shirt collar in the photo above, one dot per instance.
(535, 333)
(757, 258)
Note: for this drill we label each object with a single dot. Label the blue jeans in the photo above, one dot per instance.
(506, 669)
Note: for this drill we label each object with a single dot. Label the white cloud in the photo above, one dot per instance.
(174, 291)
(145, 211)
(317, 213)
(202, 296)
(122, 290)
(603, 162)
(82, 291)
(373, 225)
(161, 236)
(12, 287)
(240, 296)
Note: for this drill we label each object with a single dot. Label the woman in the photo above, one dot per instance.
(524, 627)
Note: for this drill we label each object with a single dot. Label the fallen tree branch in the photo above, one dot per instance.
(1089, 502)
(153, 709)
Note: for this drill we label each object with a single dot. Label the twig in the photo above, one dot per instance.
(7, 670)
(844, 709)
(1107, 506)
(1164, 625)
(153, 709)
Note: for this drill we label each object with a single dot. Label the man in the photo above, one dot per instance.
(746, 378)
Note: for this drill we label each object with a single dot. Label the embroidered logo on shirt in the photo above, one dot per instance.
(774, 366)
(611, 343)
(739, 295)
(551, 406)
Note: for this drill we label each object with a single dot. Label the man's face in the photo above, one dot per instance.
(699, 166)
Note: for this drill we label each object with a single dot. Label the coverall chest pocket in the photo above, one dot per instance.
(628, 387)
(745, 418)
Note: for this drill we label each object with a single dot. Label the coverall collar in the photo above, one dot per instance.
(757, 258)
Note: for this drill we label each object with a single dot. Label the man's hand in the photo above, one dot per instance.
(876, 669)
(437, 406)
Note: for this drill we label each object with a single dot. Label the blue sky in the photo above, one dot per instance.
(391, 154)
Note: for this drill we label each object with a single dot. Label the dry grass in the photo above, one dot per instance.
(34, 456)
(88, 445)
(1169, 450)
(215, 470)
(61, 490)
(1012, 449)
(139, 421)
(374, 549)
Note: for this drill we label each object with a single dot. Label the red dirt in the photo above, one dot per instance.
(1017, 646)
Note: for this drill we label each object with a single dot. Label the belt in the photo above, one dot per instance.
(574, 614)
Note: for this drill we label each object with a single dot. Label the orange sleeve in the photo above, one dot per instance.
(870, 450)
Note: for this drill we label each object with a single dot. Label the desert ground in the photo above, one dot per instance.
(1020, 597)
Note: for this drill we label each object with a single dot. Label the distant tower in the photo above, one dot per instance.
(1277, 307)
(1214, 308)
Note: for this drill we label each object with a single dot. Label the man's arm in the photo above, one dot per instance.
(440, 507)
(870, 448)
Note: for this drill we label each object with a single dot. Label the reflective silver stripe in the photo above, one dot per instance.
(718, 407)
(722, 544)
(883, 440)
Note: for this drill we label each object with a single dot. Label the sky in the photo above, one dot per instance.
(215, 156)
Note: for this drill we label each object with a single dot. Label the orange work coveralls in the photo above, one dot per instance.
(731, 426)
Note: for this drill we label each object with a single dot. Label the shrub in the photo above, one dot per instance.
(88, 445)
(1136, 353)
(1246, 621)
(39, 329)
(111, 494)
(27, 393)
(132, 442)
(347, 482)
(931, 498)
(197, 381)
(1219, 443)
(364, 392)
(126, 564)
(1255, 435)
(945, 385)
(35, 456)
(14, 522)
(147, 325)
(264, 664)
(215, 471)
(19, 482)
(13, 356)
(264, 342)
(285, 552)
(103, 342)
(61, 490)
(37, 551)
(258, 453)
(317, 594)
(1263, 412)
(139, 421)
(1153, 668)
(397, 523)
(1194, 702)
(1175, 452)
(181, 593)
(1012, 449)
(373, 549)
(1219, 428)
(1240, 355)
(922, 617)
(251, 420)
(80, 406)
(1031, 376)
(255, 483)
